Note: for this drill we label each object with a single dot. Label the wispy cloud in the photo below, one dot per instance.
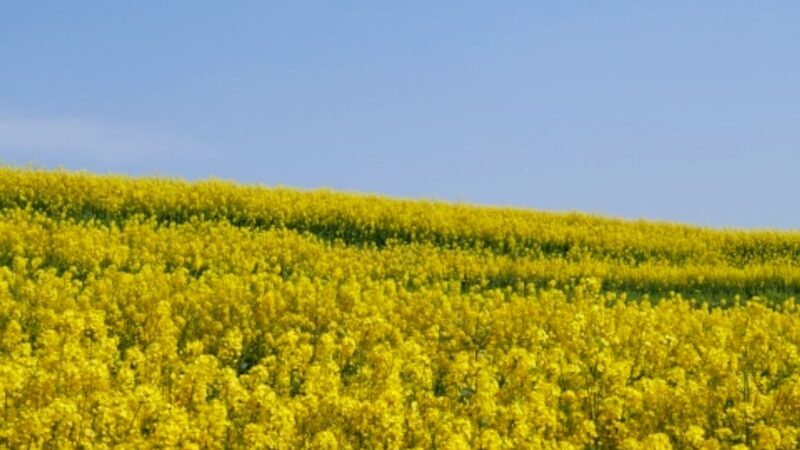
(59, 138)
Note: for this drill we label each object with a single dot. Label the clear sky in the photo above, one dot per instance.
(680, 111)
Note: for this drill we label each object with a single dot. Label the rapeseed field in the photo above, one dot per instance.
(158, 313)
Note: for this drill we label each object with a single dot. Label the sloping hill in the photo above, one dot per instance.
(156, 312)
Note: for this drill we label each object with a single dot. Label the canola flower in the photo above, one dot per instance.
(155, 313)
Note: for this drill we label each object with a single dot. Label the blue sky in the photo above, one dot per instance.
(680, 111)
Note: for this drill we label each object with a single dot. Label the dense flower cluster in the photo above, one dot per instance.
(157, 313)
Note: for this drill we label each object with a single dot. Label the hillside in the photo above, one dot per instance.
(157, 312)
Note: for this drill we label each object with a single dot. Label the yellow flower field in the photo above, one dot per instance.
(156, 313)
